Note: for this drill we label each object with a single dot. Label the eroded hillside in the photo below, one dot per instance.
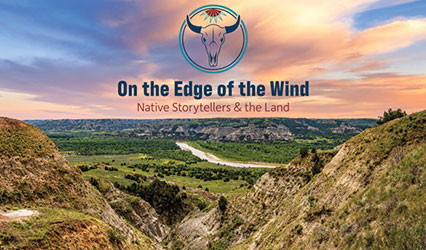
(367, 193)
(68, 211)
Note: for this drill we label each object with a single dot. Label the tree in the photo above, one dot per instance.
(315, 158)
(303, 151)
(222, 203)
(316, 168)
(390, 115)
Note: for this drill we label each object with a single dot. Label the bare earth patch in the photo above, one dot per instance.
(17, 215)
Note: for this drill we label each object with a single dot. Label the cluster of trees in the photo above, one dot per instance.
(136, 177)
(276, 152)
(390, 115)
(203, 173)
(163, 197)
(85, 168)
(107, 144)
(110, 168)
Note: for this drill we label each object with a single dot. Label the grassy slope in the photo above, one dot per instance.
(371, 195)
(34, 175)
(64, 229)
(21, 139)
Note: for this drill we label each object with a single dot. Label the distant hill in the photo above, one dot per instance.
(69, 213)
(368, 193)
(217, 129)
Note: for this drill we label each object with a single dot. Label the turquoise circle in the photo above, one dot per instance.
(203, 70)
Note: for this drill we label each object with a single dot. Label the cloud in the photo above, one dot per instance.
(388, 37)
(80, 51)
(331, 46)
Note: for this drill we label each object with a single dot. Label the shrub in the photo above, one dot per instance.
(222, 203)
(390, 115)
(83, 168)
(201, 204)
(94, 182)
(303, 151)
(114, 236)
(311, 201)
(316, 168)
(315, 158)
(298, 229)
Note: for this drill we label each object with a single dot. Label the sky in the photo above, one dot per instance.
(63, 59)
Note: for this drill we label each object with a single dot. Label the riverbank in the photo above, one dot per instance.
(213, 159)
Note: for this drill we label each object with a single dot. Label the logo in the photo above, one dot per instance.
(213, 38)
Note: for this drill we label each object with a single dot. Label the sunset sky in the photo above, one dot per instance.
(63, 59)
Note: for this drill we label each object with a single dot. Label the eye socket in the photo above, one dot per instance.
(203, 39)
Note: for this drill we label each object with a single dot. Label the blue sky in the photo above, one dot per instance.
(374, 16)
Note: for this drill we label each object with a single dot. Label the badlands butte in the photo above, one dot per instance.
(367, 193)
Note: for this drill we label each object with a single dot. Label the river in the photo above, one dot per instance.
(213, 159)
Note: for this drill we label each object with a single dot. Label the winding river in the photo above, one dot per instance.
(213, 159)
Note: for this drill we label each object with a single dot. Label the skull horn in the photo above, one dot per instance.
(232, 28)
(196, 29)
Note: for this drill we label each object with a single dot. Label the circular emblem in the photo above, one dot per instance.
(213, 38)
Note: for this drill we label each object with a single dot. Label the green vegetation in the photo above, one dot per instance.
(228, 233)
(397, 202)
(37, 232)
(280, 152)
(318, 164)
(303, 151)
(222, 203)
(390, 115)
(21, 139)
(205, 173)
(139, 168)
(96, 144)
(165, 198)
